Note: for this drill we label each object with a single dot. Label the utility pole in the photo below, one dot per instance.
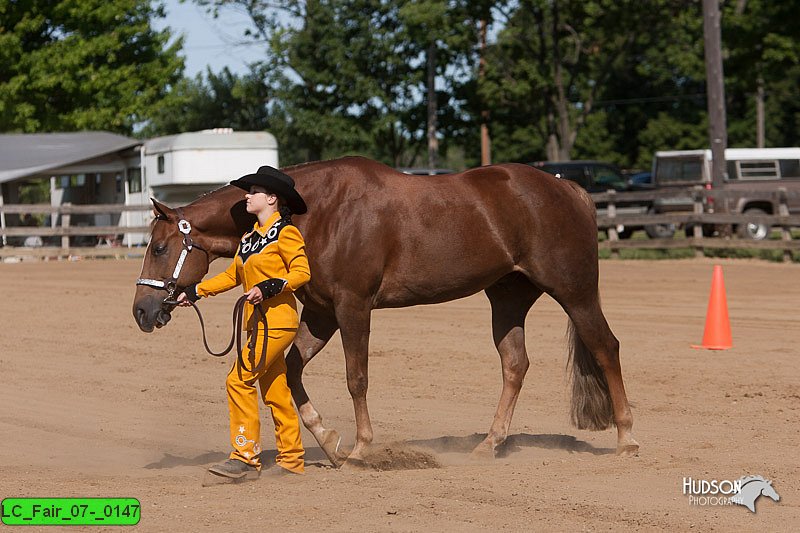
(715, 88)
(486, 143)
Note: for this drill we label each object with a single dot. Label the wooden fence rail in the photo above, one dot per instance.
(608, 222)
(697, 218)
(65, 229)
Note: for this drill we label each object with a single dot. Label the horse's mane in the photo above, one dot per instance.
(203, 197)
(301, 166)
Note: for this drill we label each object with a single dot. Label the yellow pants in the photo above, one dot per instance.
(243, 404)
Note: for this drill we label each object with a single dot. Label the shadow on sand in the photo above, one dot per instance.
(173, 461)
(313, 456)
(513, 444)
(401, 455)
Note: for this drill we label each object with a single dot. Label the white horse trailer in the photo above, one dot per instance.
(178, 169)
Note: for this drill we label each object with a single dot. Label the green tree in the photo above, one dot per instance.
(554, 62)
(569, 79)
(70, 65)
(213, 100)
(318, 60)
(443, 34)
(761, 40)
(350, 76)
(656, 99)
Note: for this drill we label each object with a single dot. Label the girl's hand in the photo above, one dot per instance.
(254, 296)
(183, 300)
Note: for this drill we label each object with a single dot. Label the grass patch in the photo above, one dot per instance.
(634, 253)
(672, 253)
(775, 256)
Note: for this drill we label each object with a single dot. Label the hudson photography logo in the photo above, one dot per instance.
(743, 491)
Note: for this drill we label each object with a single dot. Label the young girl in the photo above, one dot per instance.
(271, 264)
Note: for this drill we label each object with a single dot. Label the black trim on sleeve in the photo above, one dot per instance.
(191, 292)
(271, 287)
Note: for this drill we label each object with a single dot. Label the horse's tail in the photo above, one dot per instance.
(591, 402)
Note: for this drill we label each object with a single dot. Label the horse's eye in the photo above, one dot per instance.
(159, 249)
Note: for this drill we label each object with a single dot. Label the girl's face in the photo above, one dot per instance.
(258, 199)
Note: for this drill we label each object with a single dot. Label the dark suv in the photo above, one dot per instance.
(597, 176)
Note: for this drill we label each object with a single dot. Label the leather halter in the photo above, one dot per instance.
(171, 284)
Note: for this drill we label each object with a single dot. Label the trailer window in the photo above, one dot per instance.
(790, 168)
(758, 170)
(730, 168)
(673, 170)
(134, 180)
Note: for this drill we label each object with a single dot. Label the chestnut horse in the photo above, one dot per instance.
(377, 238)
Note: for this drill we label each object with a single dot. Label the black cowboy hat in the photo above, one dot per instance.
(277, 182)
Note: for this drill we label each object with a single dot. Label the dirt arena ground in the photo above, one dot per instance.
(92, 407)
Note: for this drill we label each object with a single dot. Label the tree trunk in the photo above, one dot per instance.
(433, 142)
(486, 142)
(563, 136)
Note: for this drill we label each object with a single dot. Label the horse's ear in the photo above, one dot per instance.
(160, 210)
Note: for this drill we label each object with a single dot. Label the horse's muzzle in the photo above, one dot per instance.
(150, 313)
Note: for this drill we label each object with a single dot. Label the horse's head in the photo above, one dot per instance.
(769, 491)
(175, 258)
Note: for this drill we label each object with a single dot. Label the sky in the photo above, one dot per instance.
(208, 41)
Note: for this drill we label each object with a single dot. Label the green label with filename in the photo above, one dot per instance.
(70, 511)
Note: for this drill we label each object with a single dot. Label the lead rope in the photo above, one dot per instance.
(170, 285)
(236, 334)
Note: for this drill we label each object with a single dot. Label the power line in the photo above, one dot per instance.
(645, 99)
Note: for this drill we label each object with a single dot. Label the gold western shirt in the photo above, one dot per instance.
(274, 250)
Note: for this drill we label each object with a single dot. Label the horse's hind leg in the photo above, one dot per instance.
(314, 332)
(511, 299)
(597, 373)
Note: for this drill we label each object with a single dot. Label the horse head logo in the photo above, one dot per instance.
(752, 488)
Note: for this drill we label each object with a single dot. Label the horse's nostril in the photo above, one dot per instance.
(162, 318)
(140, 315)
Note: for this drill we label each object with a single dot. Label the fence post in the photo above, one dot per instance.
(65, 216)
(786, 231)
(697, 229)
(2, 218)
(613, 236)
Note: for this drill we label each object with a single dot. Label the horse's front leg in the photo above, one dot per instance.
(354, 321)
(316, 329)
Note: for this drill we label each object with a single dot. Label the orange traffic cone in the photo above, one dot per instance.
(717, 335)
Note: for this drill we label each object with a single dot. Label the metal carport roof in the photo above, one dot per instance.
(26, 154)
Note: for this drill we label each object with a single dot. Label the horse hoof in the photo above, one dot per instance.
(330, 442)
(482, 452)
(628, 450)
(353, 463)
